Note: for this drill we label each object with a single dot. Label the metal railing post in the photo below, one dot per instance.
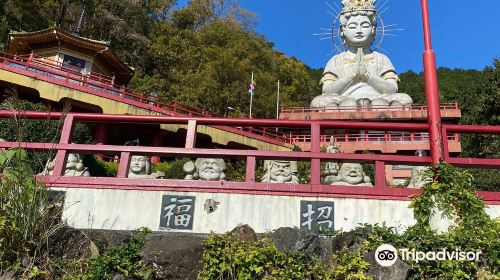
(431, 90)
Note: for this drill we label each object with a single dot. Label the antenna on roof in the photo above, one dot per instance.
(79, 26)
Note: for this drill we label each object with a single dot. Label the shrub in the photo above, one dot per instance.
(27, 218)
(100, 168)
(124, 259)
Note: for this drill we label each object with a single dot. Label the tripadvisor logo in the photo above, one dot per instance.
(387, 255)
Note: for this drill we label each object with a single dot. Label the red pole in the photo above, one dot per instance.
(431, 90)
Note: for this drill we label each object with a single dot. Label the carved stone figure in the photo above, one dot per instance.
(208, 169)
(418, 179)
(352, 174)
(359, 76)
(280, 171)
(140, 168)
(331, 171)
(74, 167)
(418, 173)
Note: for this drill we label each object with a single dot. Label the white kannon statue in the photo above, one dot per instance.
(359, 76)
(207, 169)
(74, 167)
(280, 171)
(140, 168)
(352, 174)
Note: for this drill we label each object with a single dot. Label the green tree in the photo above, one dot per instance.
(205, 53)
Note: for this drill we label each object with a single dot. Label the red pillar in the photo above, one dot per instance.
(157, 141)
(100, 136)
(431, 90)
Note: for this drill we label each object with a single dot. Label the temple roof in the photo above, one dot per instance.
(24, 42)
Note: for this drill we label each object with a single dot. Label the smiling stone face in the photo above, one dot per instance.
(210, 169)
(138, 165)
(352, 173)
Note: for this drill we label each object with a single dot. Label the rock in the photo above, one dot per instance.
(120, 276)
(350, 240)
(174, 255)
(244, 233)
(292, 241)
(69, 243)
(398, 271)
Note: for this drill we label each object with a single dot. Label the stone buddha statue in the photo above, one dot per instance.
(74, 167)
(280, 171)
(352, 174)
(140, 168)
(207, 169)
(359, 76)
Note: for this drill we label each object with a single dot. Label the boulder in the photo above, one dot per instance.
(292, 241)
(398, 271)
(244, 233)
(174, 255)
(350, 240)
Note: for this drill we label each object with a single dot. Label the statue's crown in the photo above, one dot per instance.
(358, 5)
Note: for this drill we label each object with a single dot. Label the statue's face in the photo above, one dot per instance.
(138, 164)
(72, 161)
(351, 173)
(358, 31)
(210, 170)
(281, 172)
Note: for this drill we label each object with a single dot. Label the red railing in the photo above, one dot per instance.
(370, 137)
(314, 188)
(411, 107)
(94, 83)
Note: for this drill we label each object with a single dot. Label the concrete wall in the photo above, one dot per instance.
(131, 209)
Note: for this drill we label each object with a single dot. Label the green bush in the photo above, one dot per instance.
(161, 167)
(100, 168)
(27, 218)
(176, 170)
(225, 257)
(124, 259)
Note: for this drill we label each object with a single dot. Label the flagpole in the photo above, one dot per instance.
(251, 98)
(278, 102)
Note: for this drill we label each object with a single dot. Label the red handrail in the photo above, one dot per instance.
(409, 107)
(315, 187)
(370, 137)
(51, 69)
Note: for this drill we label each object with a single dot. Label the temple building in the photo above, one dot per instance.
(71, 52)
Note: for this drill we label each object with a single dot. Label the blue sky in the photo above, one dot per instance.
(466, 34)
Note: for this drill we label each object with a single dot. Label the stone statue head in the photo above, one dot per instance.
(358, 22)
(280, 171)
(74, 166)
(210, 169)
(352, 173)
(74, 162)
(140, 165)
